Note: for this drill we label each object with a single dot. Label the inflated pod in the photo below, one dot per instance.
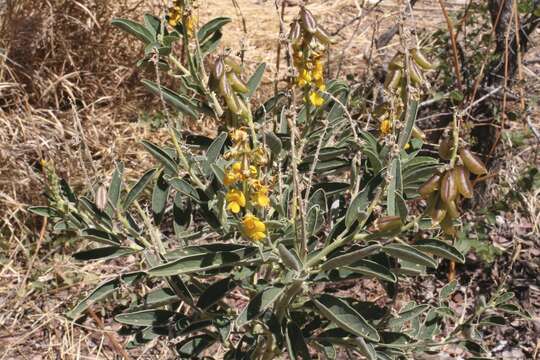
(234, 65)
(445, 147)
(227, 93)
(219, 69)
(393, 78)
(447, 226)
(416, 74)
(417, 133)
(237, 84)
(307, 21)
(421, 60)
(396, 63)
(438, 212)
(473, 163)
(452, 210)
(432, 184)
(463, 183)
(323, 36)
(448, 190)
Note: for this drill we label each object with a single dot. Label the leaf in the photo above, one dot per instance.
(103, 290)
(108, 252)
(100, 236)
(180, 102)
(273, 142)
(138, 188)
(152, 24)
(215, 292)
(360, 203)
(331, 188)
(211, 27)
(135, 29)
(259, 304)
(448, 290)
(161, 156)
(395, 187)
(115, 188)
(190, 348)
(410, 118)
(371, 268)
(366, 349)
(408, 315)
(296, 344)
(215, 148)
(255, 79)
(325, 166)
(409, 253)
(349, 258)
(440, 248)
(493, 320)
(44, 211)
(146, 317)
(344, 316)
(199, 263)
(159, 198)
(185, 188)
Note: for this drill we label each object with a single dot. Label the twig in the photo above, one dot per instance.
(453, 42)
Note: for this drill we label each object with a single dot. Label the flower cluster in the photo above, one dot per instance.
(245, 189)
(179, 13)
(308, 42)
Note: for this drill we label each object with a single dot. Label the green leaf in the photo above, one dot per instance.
(357, 208)
(100, 236)
(135, 29)
(408, 315)
(344, 316)
(44, 211)
(262, 301)
(104, 290)
(371, 268)
(152, 24)
(180, 102)
(185, 188)
(409, 253)
(159, 198)
(138, 188)
(448, 290)
(214, 149)
(161, 155)
(200, 263)
(215, 292)
(366, 348)
(395, 187)
(190, 348)
(103, 253)
(145, 317)
(440, 248)
(493, 320)
(273, 142)
(350, 258)
(255, 79)
(410, 118)
(115, 187)
(296, 344)
(211, 27)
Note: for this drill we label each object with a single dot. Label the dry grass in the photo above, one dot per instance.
(69, 92)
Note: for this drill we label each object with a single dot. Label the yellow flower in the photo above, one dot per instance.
(304, 78)
(254, 228)
(235, 200)
(259, 156)
(315, 99)
(318, 70)
(233, 175)
(175, 15)
(260, 194)
(407, 146)
(386, 127)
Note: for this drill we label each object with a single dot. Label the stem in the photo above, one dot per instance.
(184, 160)
(455, 137)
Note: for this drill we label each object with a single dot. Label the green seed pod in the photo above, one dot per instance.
(388, 224)
(438, 212)
(234, 65)
(417, 133)
(307, 21)
(452, 210)
(473, 163)
(323, 36)
(392, 79)
(416, 74)
(227, 93)
(448, 191)
(432, 184)
(421, 60)
(396, 63)
(237, 84)
(447, 226)
(463, 182)
(445, 147)
(219, 69)
(288, 258)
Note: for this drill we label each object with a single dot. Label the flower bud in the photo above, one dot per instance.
(473, 163)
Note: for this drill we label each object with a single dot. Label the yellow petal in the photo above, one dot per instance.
(234, 207)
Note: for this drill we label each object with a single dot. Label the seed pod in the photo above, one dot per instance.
(227, 93)
(432, 184)
(392, 80)
(417, 133)
(416, 74)
(396, 63)
(101, 197)
(236, 83)
(438, 212)
(448, 187)
(463, 182)
(473, 163)
(323, 36)
(288, 258)
(235, 66)
(447, 226)
(307, 20)
(452, 210)
(388, 224)
(445, 147)
(219, 69)
(421, 60)
(295, 33)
